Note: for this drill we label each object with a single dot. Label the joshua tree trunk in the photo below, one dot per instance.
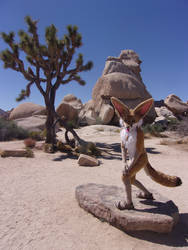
(50, 129)
(50, 133)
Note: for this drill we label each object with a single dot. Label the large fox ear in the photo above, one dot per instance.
(121, 109)
(143, 108)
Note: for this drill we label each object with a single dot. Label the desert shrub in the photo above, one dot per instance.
(88, 148)
(173, 124)
(9, 130)
(182, 127)
(153, 129)
(37, 135)
(73, 123)
(29, 153)
(30, 143)
(48, 148)
(99, 121)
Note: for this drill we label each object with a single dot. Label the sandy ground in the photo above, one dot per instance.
(38, 209)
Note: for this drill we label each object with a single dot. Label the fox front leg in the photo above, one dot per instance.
(127, 204)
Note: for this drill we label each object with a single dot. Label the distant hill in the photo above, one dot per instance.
(3, 113)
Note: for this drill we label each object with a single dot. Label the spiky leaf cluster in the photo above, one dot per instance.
(50, 63)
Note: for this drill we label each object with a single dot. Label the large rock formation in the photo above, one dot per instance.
(121, 78)
(27, 109)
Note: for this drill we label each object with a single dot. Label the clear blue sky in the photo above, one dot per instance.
(156, 29)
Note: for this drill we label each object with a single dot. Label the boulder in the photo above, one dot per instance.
(106, 114)
(176, 105)
(121, 78)
(69, 108)
(90, 117)
(32, 123)
(87, 115)
(159, 215)
(27, 109)
(163, 111)
(86, 160)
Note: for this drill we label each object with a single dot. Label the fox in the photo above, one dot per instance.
(132, 144)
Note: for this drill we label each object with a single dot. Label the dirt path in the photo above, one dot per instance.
(38, 209)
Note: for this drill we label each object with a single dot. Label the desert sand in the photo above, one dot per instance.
(38, 209)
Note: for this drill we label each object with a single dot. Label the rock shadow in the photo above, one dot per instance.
(64, 156)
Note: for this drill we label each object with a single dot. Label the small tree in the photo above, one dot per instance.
(49, 67)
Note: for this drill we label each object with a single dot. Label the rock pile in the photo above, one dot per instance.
(172, 108)
(176, 105)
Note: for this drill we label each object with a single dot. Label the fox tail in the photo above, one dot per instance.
(161, 178)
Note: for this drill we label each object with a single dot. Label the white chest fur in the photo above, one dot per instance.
(129, 139)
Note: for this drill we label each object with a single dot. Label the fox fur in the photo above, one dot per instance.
(132, 143)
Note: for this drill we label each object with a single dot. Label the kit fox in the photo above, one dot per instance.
(132, 142)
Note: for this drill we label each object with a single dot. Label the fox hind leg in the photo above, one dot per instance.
(144, 194)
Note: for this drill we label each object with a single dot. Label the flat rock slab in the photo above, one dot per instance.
(16, 153)
(158, 215)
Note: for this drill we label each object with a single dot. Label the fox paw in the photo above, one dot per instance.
(145, 196)
(122, 205)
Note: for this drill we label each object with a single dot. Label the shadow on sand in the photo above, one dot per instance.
(113, 151)
(65, 156)
(152, 151)
(109, 152)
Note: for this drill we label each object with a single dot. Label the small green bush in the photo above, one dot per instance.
(29, 153)
(37, 135)
(9, 131)
(98, 121)
(173, 124)
(153, 129)
(73, 123)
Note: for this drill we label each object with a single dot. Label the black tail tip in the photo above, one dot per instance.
(178, 182)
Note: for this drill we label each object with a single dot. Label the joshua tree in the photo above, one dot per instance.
(48, 67)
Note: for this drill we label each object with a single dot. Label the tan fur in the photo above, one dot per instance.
(140, 160)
